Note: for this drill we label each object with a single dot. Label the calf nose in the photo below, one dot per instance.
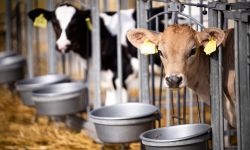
(173, 81)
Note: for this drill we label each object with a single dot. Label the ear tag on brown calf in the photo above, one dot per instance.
(148, 47)
(40, 21)
(210, 47)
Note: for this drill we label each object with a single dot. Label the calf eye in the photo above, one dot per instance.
(192, 52)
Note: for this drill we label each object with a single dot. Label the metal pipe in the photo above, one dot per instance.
(29, 41)
(143, 67)
(221, 107)
(18, 27)
(184, 105)
(51, 42)
(191, 118)
(214, 90)
(96, 52)
(178, 107)
(119, 52)
(8, 25)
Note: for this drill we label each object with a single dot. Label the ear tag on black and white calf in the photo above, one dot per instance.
(210, 47)
(40, 21)
(148, 47)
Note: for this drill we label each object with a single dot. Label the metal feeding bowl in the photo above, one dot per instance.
(179, 137)
(11, 67)
(25, 87)
(123, 123)
(59, 99)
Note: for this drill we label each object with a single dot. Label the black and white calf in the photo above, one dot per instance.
(73, 34)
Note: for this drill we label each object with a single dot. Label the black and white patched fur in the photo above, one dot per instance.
(73, 34)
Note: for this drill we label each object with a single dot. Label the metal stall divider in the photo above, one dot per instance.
(51, 42)
(119, 52)
(239, 13)
(96, 52)
(29, 41)
(8, 25)
(142, 7)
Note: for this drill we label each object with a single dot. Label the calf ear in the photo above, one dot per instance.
(138, 36)
(36, 12)
(215, 33)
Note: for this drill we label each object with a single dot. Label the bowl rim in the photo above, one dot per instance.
(25, 85)
(79, 88)
(206, 131)
(154, 110)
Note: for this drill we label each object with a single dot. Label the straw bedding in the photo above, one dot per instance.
(19, 131)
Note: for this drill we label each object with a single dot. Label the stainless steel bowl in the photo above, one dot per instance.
(180, 137)
(116, 124)
(7, 53)
(124, 111)
(11, 68)
(25, 87)
(59, 99)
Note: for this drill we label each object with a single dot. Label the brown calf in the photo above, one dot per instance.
(186, 64)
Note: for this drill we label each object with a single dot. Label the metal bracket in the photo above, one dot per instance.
(175, 6)
(243, 16)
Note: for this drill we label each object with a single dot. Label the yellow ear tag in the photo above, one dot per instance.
(40, 21)
(89, 24)
(210, 47)
(148, 47)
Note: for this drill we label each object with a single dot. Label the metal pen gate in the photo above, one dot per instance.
(219, 13)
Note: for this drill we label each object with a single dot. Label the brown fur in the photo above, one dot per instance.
(176, 43)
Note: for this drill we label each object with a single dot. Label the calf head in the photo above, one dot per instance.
(180, 48)
(69, 26)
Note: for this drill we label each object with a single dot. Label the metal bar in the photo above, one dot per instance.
(143, 67)
(199, 110)
(214, 89)
(18, 27)
(221, 106)
(178, 106)
(29, 41)
(184, 105)
(152, 75)
(8, 25)
(191, 111)
(96, 52)
(106, 4)
(119, 52)
(172, 105)
(243, 102)
(51, 42)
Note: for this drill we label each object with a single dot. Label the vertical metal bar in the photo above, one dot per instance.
(106, 4)
(243, 79)
(96, 52)
(221, 111)
(29, 41)
(172, 106)
(168, 107)
(152, 75)
(214, 89)
(119, 52)
(184, 105)
(37, 39)
(51, 42)
(191, 112)
(124, 4)
(202, 101)
(8, 25)
(18, 27)
(178, 106)
(143, 67)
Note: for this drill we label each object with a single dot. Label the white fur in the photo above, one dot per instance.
(64, 15)
(127, 22)
(112, 97)
(135, 64)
